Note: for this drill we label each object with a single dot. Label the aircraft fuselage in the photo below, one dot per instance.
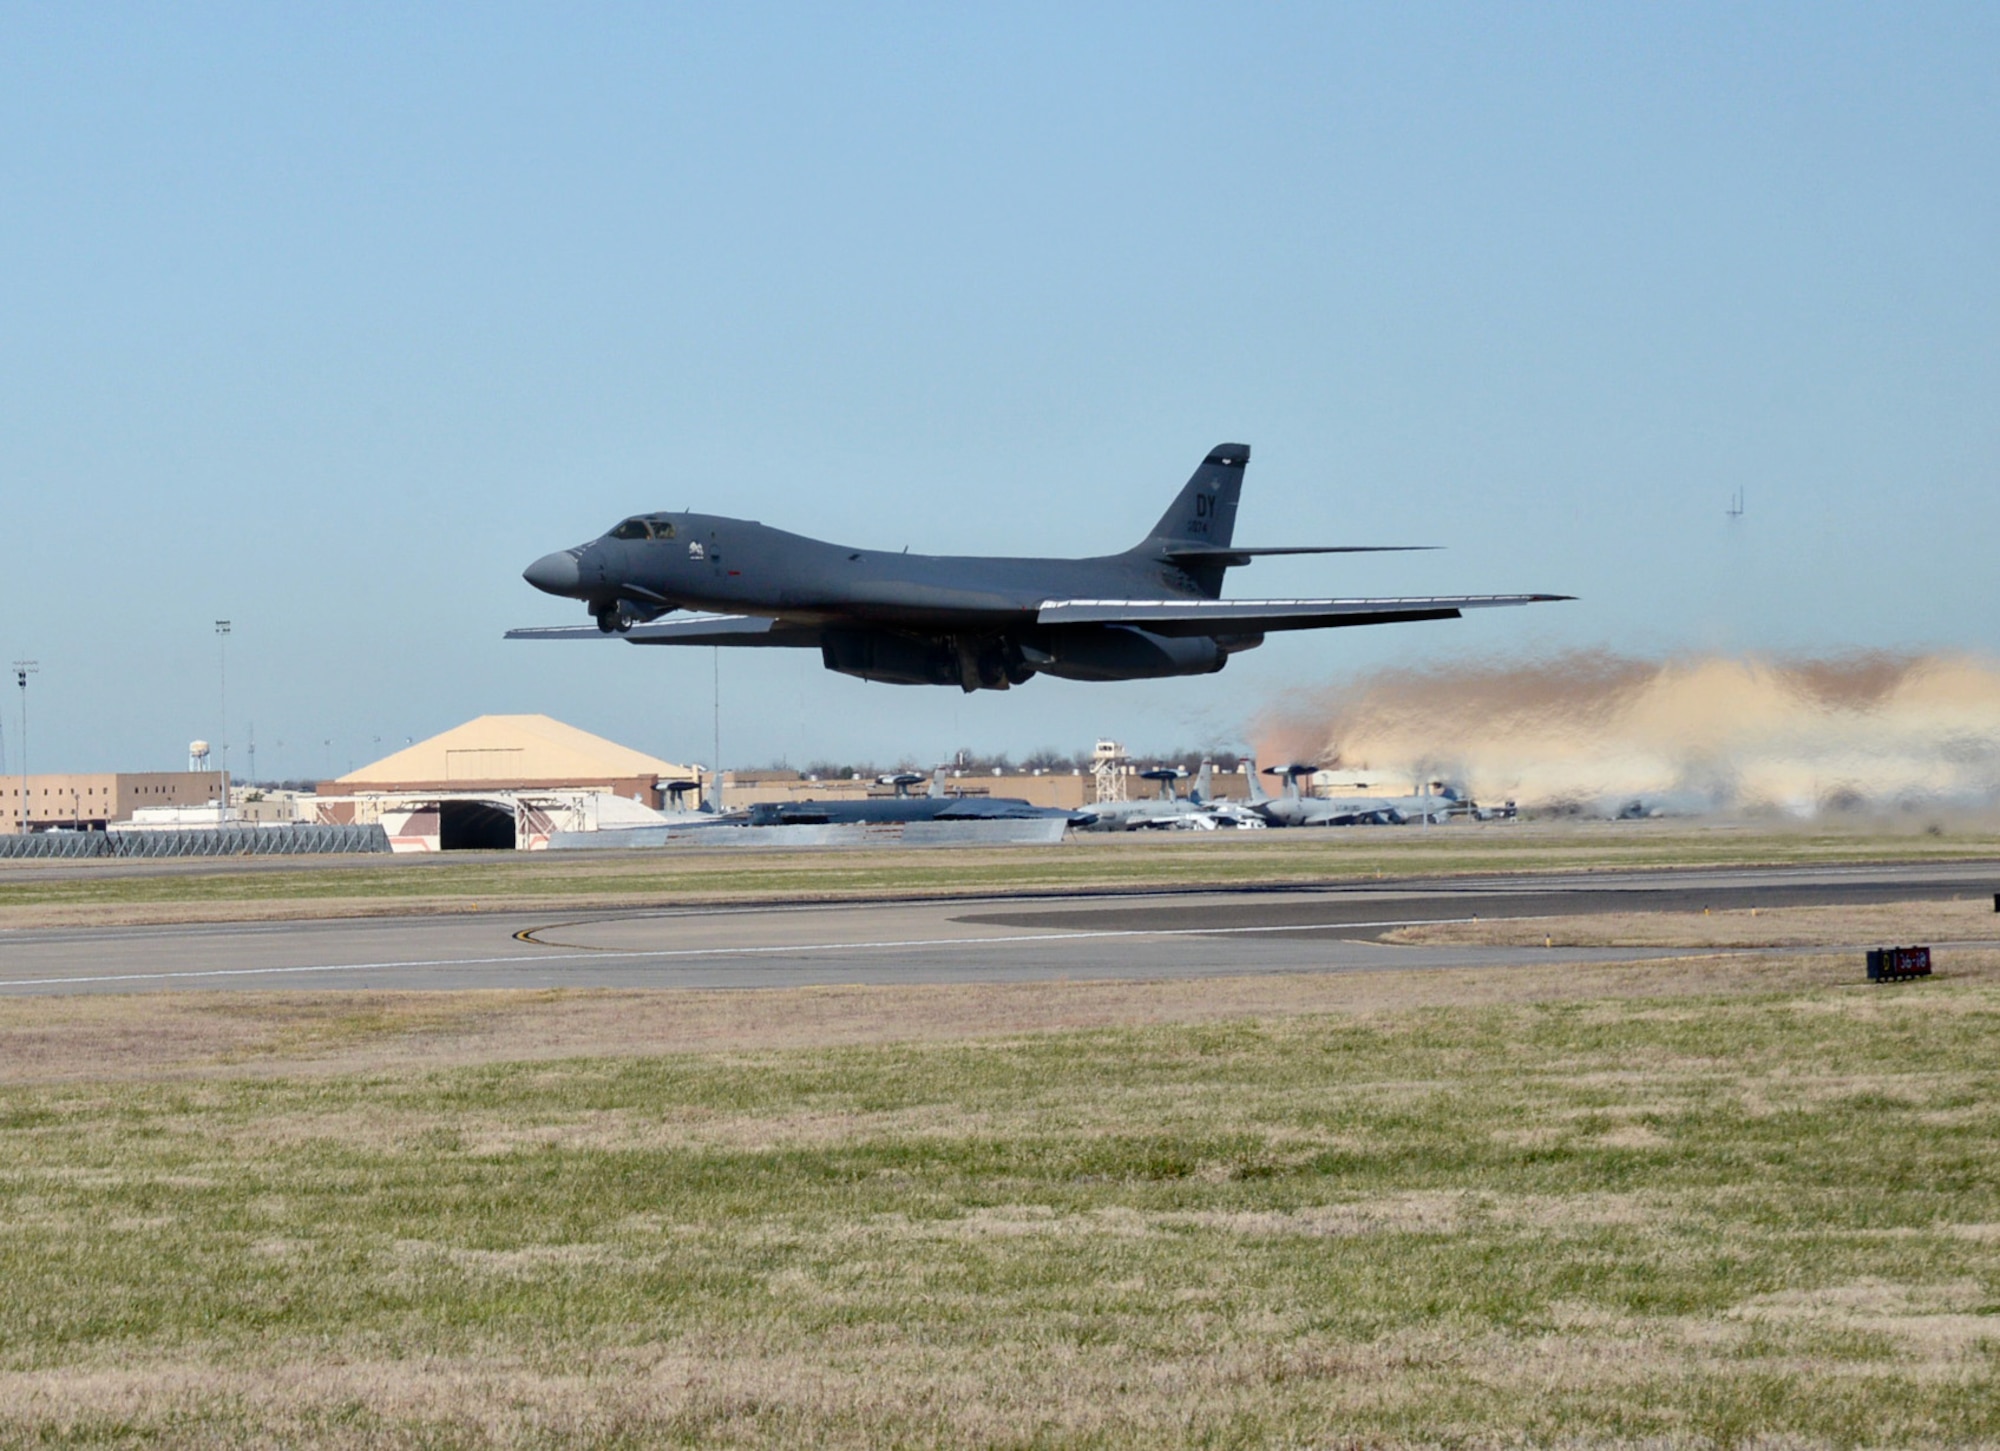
(711, 562)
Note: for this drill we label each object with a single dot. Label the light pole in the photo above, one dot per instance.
(222, 683)
(22, 670)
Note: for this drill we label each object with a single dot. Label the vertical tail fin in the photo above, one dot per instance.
(1204, 512)
(1258, 795)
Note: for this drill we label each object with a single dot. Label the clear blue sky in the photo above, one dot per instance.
(329, 319)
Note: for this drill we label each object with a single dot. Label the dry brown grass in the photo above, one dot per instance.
(128, 1036)
(1185, 1314)
(1721, 1201)
(748, 1384)
(1880, 925)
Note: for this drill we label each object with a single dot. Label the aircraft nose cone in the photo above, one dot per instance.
(554, 574)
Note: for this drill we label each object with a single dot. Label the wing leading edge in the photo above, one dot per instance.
(1222, 617)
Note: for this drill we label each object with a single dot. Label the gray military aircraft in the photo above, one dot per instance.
(1166, 811)
(1294, 808)
(977, 623)
(1224, 811)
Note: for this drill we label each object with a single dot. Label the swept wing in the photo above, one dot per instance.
(689, 630)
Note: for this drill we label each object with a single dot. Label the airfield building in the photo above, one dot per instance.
(94, 800)
(500, 781)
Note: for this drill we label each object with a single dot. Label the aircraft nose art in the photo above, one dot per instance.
(554, 574)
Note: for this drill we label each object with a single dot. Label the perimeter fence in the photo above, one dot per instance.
(281, 839)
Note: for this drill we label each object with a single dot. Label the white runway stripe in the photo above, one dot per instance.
(638, 955)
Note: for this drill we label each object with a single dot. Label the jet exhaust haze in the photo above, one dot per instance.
(1689, 734)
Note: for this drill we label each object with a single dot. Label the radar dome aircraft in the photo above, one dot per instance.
(1295, 809)
(978, 623)
(1169, 810)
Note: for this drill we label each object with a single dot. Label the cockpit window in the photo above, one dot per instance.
(662, 529)
(630, 529)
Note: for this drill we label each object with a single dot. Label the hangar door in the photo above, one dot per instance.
(475, 826)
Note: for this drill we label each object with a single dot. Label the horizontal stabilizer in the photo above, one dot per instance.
(1231, 555)
(1256, 617)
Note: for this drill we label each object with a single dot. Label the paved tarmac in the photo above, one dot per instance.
(1094, 936)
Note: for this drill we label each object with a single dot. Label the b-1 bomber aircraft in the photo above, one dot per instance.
(978, 623)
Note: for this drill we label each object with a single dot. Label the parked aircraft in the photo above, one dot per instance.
(1226, 813)
(934, 805)
(1168, 809)
(978, 623)
(705, 814)
(1294, 808)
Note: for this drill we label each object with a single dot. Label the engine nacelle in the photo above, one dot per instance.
(1123, 652)
(994, 662)
(892, 659)
(971, 662)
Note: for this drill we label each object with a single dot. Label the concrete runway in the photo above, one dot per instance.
(1109, 935)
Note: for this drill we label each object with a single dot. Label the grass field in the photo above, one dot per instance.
(1971, 920)
(1718, 1202)
(43, 893)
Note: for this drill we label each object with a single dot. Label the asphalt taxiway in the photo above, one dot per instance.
(989, 939)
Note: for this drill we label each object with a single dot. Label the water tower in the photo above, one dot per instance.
(197, 755)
